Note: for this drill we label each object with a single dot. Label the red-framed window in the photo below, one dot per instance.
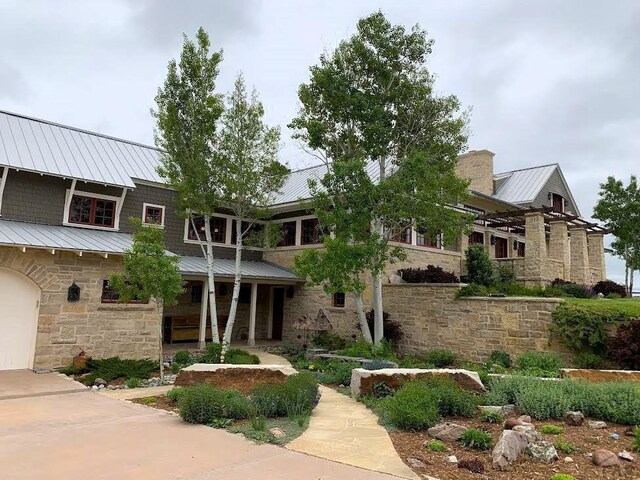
(111, 295)
(502, 247)
(92, 211)
(288, 234)
(153, 215)
(476, 238)
(218, 229)
(339, 299)
(310, 232)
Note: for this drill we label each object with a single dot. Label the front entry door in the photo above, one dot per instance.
(277, 313)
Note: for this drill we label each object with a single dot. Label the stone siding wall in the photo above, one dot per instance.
(431, 317)
(65, 328)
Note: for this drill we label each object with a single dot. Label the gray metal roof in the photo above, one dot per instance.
(23, 234)
(523, 186)
(39, 146)
(225, 267)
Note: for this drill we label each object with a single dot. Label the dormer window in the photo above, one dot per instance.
(92, 211)
(153, 214)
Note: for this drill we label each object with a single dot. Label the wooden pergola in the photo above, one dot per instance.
(515, 220)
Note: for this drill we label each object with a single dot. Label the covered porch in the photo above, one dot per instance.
(260, 313)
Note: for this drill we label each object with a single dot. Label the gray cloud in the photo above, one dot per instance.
(548, 81)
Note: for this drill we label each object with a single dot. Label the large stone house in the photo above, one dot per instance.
(66, 195)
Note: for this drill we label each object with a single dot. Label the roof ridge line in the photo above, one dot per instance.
(81, 130)
(528, 168)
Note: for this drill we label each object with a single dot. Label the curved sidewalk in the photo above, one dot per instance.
(345, 431)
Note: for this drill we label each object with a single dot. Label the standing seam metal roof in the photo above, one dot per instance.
(523, 186)
(39, 146)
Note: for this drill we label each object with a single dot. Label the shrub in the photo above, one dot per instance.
(175, 394)
(492, 417)
(115, 367)
(429, 274)
(435, 446)
(235, 356)
(551, 430)
(259, 424)
(624, 346)
(295, 397)
(392, 330)
(473, 290)
(291, 349)
(500, 357)
(133, 382)
(589, 360)
(475, 438)
(539, 362)
(505, 273)
(382, 390)
(474, 465)
(572, 289)
(564, 446)
(607, 287)
(183, 357)
(636, 440)
(413, 407)
(479, 266)
(204, 403)
(583, 327)
(328, 341)
(562, 476)
(148, 400)
(334, 372)
(211, 354)
(452, 400)
(364, 349)
(441, 358)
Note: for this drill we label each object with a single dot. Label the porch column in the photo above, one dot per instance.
(536, 254)
(464, 246)
(252, 315)
(580, 273)
(596, 255)
(559, 246)
(204, 307)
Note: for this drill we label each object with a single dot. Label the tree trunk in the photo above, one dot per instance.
(212, 286)
(362, 317)
(631, 271)
(160, 306)
(626, 270)
(235, 297)
(378, 311)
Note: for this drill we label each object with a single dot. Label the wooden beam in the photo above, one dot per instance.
(514, 213)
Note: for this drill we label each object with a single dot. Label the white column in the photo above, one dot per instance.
(252, 316)
(204, 307)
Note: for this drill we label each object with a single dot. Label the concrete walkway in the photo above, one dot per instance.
(25, 383)
(74, 436)
(345, 431)
(266, 358)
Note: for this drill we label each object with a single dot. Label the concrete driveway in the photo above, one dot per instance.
(53, 431)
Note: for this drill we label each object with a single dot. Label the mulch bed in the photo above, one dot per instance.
(161, 403)
(411, 445)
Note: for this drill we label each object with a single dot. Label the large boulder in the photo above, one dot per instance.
(447, 432)
(243, 378)
(605, 458)
(574, 419)
(542, 452)
(595, 376)
(363, 381)
(510, 444)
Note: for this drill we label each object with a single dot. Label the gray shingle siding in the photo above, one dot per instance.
(34, 198)
(554, 185)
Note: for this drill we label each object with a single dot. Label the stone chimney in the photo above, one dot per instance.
(477, 166)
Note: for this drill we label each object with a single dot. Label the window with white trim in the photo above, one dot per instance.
(153, 214)
(218, 228)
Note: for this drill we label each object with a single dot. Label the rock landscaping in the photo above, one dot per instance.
(243, 378)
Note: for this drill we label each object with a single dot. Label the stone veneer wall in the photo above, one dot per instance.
(431, 317)
(65, 328)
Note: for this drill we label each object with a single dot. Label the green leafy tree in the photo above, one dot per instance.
(619, 209)
(251, 176)
(149, 273)
(187, 113)
(373, 99)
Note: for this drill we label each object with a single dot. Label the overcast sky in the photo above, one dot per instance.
(547, 81)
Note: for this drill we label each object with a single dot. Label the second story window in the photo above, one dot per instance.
(339, 299)
(288, 234)
(92, 211)
(310, 231)
(218, 229)
(153, 214)
(402, 235)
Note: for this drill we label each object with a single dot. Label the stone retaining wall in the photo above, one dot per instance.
(431, 318)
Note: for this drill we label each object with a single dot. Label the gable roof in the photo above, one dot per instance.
(524, 185)
(45, 147)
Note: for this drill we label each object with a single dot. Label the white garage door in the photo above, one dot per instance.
(19, 302)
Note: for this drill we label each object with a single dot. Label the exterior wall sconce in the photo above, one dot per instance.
(493, 240)
(73, 294)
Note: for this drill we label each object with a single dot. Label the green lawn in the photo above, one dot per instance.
(631, 306)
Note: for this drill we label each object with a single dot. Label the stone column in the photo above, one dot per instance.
(491, 249)
(596, 255)
(559, 246)
(579, 257)
(536, 253)
(464, 245)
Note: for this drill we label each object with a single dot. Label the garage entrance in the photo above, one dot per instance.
(19, 304)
